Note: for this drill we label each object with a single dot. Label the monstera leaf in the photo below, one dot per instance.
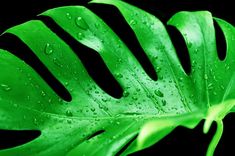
(93, 122)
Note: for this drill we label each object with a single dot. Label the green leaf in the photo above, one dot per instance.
(150, 109)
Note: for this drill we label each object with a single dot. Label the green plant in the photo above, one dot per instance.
(149, 108)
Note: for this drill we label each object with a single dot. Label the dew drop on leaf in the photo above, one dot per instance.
(134, 98)
(97, 25)
(48, 49)
(160, 77)
(49, 100)
(80, 36)
(5, 87)
(205, 77)
(119, 75)
(222, 87)
(190, 44)
(132, 22)
(210, 86)
(101, 106)
(163, 102)
(69, 113)
(181, 79)
(126, 93)
(158, 93)
(92, 109)
(66, 83)
(57, 62)
(104, 99)
(69, 121)
(35, 121)
(158, 69)
(68, 15)
(81, 23)
(43, 93)
(106, 108)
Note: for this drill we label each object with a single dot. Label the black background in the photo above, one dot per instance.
(181, 140)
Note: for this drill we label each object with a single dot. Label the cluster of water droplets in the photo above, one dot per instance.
(6, 87)
(80, 23)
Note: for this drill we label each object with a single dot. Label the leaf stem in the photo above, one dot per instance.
(216, 138)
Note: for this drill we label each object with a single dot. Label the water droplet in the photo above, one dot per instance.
(35, 121)
(163, 102)
(15, 105)
(132, 22)
(160, 77)
(205, 76)
(97, 25)
(48, 49)
(5, 87)
(134, 98)
(190, 44)
(181, 79)
(68, 15)
(57, 62)
(118, 123)
(101, 106)
(43, 93)
(81, 23)
(49, 100)
(126, 93)
(210, 86)
(80, 36)
(104, 99)
(69, 113)
(92, 109)
(119, 75)
(158, 93)
(222, 87)
(66, 83)
(158, 69)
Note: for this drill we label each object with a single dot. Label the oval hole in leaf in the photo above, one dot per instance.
(220, 41)
(14, 45)
(126, 145)
(96, 134)
(13, 138)
(180, 47)
(92, 61)
(116, 21)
